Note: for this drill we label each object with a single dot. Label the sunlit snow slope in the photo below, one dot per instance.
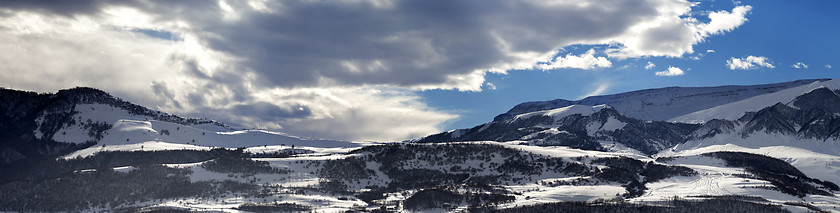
(663, 103)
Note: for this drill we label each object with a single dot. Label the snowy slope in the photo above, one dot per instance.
(734, 110)
(134, 135)
(815, 164)
(578, 126)
(563, 111)
(718, 179)
(127, 128)
(663, 103)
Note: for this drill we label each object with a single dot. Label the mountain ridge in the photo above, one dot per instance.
(622, 101)
(810, 116)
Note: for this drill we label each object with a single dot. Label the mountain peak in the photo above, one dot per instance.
(821, 97)
(82, 90)
(85, 95)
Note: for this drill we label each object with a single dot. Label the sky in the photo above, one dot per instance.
(390, 70)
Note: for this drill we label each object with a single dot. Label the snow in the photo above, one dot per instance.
(38, 133)
(565, 152)
(759, 140)
(664, 104)
(564, 111)
(302, 175)
(612, 124)
(134, 129)
(815, 158)
(715, 178)
(95, 113)
(132, 125)
(814, 164)
(552, 131)
(124, 169)
(143, 146)
(455, 133)
(132, 132)
(612, 146)
(734, 110)
(535, 194)
(484, 127)
(711, 183)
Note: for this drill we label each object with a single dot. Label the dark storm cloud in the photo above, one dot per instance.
(415, 42)
(403, 43)
(59, 7)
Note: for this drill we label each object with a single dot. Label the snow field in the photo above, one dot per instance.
(734, 110)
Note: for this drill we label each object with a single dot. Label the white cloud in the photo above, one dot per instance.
(185, 77)
(671, 71)
(586, 61)
(750, 62)
(336, 69)
(710, 51)
(490, 86)
(800, 65)
(59, 53)
(697, 57)
(360, 113)
(827, 66)
(673, 36)
(412, 44)
(649, 65)
(724, 21)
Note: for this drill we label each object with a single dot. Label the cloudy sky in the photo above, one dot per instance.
(395, 70)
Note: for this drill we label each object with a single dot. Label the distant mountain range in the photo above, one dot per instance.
(653, 120)
(662, 104)
(759, 148)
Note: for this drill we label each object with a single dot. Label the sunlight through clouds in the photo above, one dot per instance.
(600, 89)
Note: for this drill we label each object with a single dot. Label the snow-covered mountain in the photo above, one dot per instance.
(763, 148)
(804, 111)
(584, 127)
(664, 103)
(734, 110)
(797, 122)
(37, 125)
